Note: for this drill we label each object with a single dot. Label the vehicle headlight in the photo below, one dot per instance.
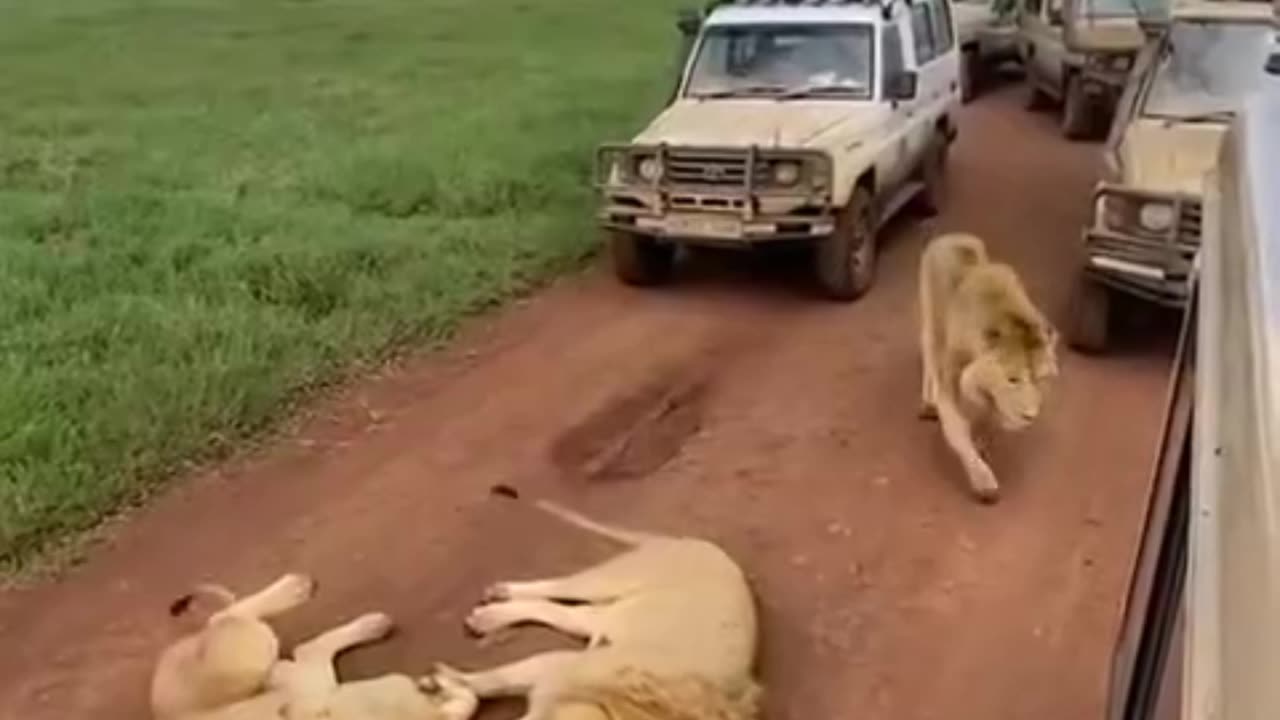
(649, 168)
(786, 173)
(1125, 214)
(1156, 216)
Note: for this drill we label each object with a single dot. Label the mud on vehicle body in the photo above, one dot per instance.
(811, 122)
(1145, 232)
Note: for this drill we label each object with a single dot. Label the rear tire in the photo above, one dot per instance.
(1090, 316)
(933, 174)
(1077, 111)
(970, 74)
(845, 261)
(640, 261)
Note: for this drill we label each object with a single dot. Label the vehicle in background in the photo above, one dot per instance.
(811, 122)
(1082, 66)
(1146, 224)
(988, 36)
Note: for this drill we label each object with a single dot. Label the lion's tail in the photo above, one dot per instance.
(578, 520)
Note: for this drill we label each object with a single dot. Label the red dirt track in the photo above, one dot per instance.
(731, 405)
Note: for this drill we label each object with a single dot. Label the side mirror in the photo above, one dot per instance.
(901, 86)
(689, 21)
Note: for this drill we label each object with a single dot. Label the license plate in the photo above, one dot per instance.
(704, 226)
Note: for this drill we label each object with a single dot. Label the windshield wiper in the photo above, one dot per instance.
(746, 90)
(822, 89)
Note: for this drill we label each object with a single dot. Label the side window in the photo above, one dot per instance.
(1032, 7)
(922, 33)
(942, 34)
(891, 44)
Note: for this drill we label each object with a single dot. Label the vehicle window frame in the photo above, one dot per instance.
(944, 27)
(887, 31)
(703, 36)
(925, 29)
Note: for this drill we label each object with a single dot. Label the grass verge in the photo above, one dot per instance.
(208, 206)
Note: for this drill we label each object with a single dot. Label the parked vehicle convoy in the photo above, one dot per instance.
(1082, 66)
(988, 37)
(812, 122)
(1146, 227)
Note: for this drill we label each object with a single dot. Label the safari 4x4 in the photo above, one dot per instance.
(1186, 86)
(791, 121)
(1083, 64)
(988, 35)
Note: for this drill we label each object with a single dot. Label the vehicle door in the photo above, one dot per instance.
(893, 164)
(946, 65)
(932, 85)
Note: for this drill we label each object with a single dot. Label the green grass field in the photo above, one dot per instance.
(207, 206)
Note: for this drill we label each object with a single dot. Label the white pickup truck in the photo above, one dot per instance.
(811, 122)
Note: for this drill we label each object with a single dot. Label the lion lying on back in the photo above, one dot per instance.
(669, 625)
(987, 351)
(230, 669)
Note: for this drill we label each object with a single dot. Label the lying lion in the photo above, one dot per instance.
(670, 631)
(231, 670)
(987, 351)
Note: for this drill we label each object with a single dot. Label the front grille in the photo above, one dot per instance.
(711, 169)
(1189, 223)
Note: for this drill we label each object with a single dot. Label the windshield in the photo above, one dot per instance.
(783, 60)
(1208, 69)
(1149, 9)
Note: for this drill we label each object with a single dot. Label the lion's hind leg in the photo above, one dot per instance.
(580, 621)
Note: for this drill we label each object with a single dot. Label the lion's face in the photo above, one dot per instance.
(1012, 375)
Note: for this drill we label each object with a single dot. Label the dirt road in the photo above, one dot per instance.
(781, 425)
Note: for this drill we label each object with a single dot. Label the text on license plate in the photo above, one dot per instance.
(704, 226)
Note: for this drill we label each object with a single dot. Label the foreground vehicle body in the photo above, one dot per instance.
(1201, 633)
(812, 123)
(1083, 64)
(1147, 211)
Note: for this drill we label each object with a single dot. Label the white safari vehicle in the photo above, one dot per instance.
(1187, 84)
(1082, 63)
(792, 121)
(1200, 635)
(988, 35)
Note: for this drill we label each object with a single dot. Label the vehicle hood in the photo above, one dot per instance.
(1109, 34)
(1162, 156)
(762, 122)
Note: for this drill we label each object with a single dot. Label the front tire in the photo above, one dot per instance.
(639, 260)
(933, 175)
(1090, 319)
(1077, 111)
(845, 261)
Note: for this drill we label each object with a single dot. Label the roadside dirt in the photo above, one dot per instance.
(732, 405)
